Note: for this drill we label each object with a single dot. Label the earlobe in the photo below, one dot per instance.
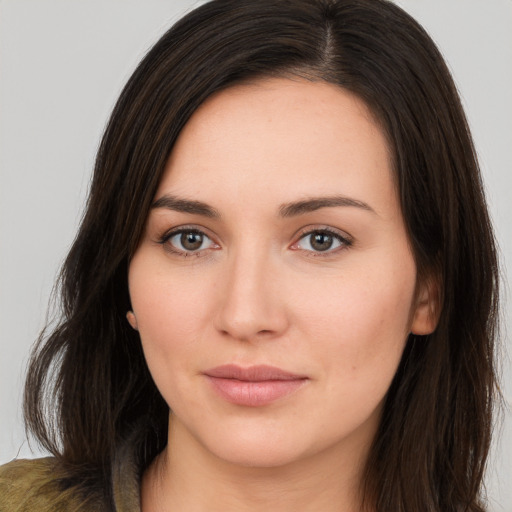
(132, 320)
(427, 308)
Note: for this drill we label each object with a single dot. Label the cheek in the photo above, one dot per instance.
(171, 312)
(361, 319)
(167, 303)
(163, 312)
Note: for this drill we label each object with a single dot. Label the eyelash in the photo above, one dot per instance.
(344, 241)
(168, 235)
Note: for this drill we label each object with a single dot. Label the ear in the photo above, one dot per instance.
(132, 320)
(427, 306)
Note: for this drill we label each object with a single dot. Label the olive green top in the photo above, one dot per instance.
(34, 486)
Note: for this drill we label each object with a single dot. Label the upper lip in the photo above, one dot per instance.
(256, 373)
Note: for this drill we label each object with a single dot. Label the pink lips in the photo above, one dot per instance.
(254, 386)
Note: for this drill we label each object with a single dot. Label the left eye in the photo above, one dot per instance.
(189, 241)
(321, 241)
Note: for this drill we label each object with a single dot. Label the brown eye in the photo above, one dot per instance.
(321, 241)
(191, 241)
(186, 241)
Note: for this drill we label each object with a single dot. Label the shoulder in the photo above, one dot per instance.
(33, 485)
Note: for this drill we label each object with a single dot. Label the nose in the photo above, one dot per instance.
(251, 303)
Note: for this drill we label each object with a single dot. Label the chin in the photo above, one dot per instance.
(259, 455)
(262, 446)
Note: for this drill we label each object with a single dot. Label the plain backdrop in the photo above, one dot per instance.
(62, 66)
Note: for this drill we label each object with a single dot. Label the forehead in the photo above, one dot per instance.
(280, 137)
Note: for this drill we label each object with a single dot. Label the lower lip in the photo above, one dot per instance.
(254, 394)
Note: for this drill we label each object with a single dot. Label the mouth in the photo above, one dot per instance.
(254, 386)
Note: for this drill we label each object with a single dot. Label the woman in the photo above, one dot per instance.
(283, 293)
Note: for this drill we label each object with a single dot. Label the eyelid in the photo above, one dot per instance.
(164, 239)
(344, 238)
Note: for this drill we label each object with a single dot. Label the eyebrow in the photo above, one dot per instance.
(186, 206)
(315, 203)
(286, 210)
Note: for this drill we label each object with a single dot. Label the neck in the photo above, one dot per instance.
(187, 477)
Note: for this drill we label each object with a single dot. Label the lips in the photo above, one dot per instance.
(253, 386)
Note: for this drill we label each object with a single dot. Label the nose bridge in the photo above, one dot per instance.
(249, 304)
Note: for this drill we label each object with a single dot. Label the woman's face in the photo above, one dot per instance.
(274, 287)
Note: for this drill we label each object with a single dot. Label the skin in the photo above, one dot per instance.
(257, 292)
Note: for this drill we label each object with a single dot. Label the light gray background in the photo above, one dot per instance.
(62, 65)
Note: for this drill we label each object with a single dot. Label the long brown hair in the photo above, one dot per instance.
(430, 451)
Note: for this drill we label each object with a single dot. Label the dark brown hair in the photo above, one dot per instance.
(430, 451)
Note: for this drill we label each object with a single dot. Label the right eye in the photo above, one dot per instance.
(187, 241)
